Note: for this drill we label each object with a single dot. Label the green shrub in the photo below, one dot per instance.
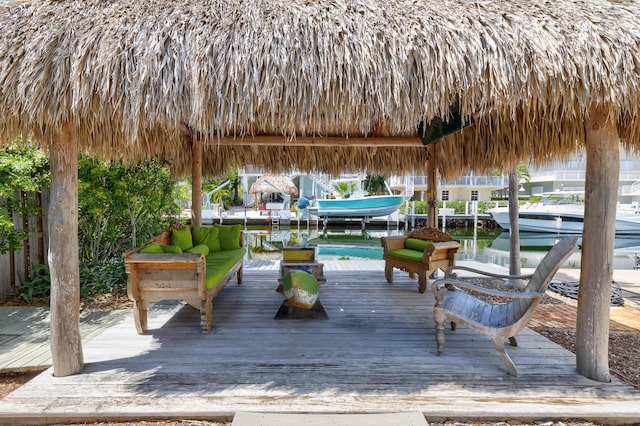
(420, 207)
(108, 278)
(102, 279)
(37, 289)
(459, 206)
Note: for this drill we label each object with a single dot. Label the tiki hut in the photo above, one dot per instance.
(268, 184)
(325, 86)
(273, 184)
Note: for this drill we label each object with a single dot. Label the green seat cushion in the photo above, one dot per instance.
(226, 255)
(182, 238)
(407, 254)
(171, 249)
(229, 236)
(200, 248)
(416, 244)
(218, 263)
(152, 248)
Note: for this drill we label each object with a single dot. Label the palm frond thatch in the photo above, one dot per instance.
(267, 184)
(140, 78)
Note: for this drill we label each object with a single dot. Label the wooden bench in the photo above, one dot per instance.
(440, 254)
(497, 320)
(152, 278)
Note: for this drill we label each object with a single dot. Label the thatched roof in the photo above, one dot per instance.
(267, 184)
(142, 78)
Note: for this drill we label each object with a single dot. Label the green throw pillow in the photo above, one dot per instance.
(416, 244)
(200, 248)
(229, 236)
(213, 239)
(171, 249)
(200, 234)
(152, 248)
(181, 238)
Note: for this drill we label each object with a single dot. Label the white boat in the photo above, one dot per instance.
(357, 206)
(542, 242)
(562, 212)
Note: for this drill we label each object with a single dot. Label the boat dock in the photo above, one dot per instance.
(273, 218)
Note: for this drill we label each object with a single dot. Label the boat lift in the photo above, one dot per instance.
(207, 199)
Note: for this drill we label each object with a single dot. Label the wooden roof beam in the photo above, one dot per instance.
(373, 142)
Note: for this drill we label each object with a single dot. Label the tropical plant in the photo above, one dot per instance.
(38, 288)
(24, 168)
(375, 184)
(344, 187)
(222, 194)
(108, 278)
(523, 174)
(230, 195)
(122, 206)
(235, 187)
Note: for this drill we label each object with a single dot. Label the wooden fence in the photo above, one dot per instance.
(17, 266)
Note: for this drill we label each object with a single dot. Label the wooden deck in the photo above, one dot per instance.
(25, 331)
(376, 353)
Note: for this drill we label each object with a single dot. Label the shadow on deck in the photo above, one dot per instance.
(376, 353)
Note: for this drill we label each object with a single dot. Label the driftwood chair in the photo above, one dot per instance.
(498, 321)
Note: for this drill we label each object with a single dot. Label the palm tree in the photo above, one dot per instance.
(344, 187)
(375, 184)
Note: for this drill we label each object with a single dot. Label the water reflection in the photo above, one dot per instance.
(485, 247)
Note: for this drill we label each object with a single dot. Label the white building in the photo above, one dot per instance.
(561, 176)
(570, 176)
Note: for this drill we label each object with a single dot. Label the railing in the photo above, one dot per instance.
(324, 182)
(468, 180)
(569, 175)
(631, 189)
(409, 188)
(473, 180)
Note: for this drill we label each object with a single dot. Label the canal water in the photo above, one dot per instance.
(486, 247)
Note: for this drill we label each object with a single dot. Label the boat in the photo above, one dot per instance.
(543, 241)
(357, 206)
(534, 246)
(563, 212)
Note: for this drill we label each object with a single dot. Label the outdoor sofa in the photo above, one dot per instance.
(192, 264)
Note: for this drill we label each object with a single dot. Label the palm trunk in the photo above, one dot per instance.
(596, 274)
(66, 344)
(514, 231)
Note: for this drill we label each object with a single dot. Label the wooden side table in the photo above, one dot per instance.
(302, 258)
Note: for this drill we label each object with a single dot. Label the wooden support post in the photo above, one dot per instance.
(601, 196)
(196, 181)
(514, 231)
(432, 188)
(66, 344)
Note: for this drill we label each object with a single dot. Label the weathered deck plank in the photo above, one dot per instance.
(24, 335)
(376, 352)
